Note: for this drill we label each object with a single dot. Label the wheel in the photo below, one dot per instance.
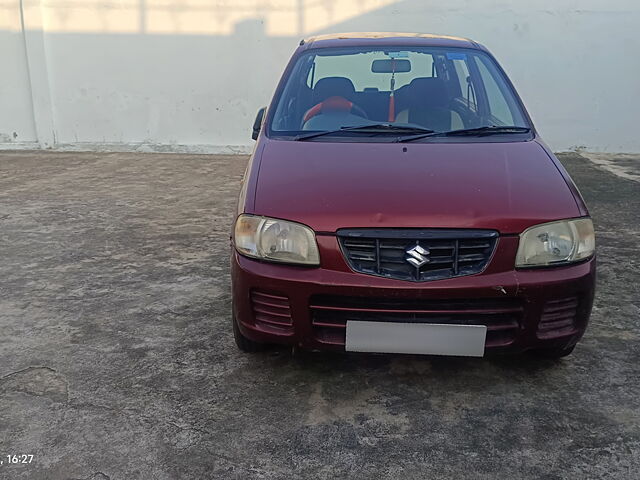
(245, 344)
(554, 353)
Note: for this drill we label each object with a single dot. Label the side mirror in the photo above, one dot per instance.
(257, 124)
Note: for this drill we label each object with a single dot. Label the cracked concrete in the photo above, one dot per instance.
(117, 360)
(37, 381)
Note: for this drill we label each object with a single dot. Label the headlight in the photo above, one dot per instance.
(276, 240)
(556, 242)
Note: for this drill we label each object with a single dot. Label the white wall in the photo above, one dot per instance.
(189, 75)
(16, 110)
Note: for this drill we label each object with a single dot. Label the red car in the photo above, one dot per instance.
(400, 200)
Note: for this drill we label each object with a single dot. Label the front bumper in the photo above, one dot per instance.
(309, 307)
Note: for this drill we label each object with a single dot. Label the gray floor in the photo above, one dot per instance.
(117, 361)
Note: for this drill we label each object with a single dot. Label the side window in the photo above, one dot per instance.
(421, 67)
(499, 108)
(467, 87)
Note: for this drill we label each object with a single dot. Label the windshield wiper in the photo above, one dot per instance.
(489, 130)
(370, 128)
(476, 132)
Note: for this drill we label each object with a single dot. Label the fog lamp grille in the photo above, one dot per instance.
(558, 317)
(271, 310)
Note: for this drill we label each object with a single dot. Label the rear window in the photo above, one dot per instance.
(358, 69)
(436, 88)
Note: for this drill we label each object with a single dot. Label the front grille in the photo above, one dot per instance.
(330, 314)
(417, 255)
(271, 310)
(558, 317)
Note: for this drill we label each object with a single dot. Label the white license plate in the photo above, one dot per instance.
(416, 338)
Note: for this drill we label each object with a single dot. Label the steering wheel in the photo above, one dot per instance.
(340, 104)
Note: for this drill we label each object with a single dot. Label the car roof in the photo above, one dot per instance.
(387, 39)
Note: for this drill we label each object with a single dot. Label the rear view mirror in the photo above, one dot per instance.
(257, 124)
(390, 66)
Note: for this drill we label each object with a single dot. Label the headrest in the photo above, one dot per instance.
(429, 92)
(333, 87)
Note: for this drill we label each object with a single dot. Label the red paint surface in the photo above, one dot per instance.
(326, 185)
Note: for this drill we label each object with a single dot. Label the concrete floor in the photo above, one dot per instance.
(117, 359)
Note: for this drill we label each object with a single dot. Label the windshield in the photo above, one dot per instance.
(436, 89)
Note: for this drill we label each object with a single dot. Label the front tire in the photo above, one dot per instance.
(244, 344)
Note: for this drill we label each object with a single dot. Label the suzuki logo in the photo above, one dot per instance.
(418, 256)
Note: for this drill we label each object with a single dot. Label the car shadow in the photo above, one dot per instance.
(525, 363)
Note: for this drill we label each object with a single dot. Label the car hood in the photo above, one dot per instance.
(503, 186)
